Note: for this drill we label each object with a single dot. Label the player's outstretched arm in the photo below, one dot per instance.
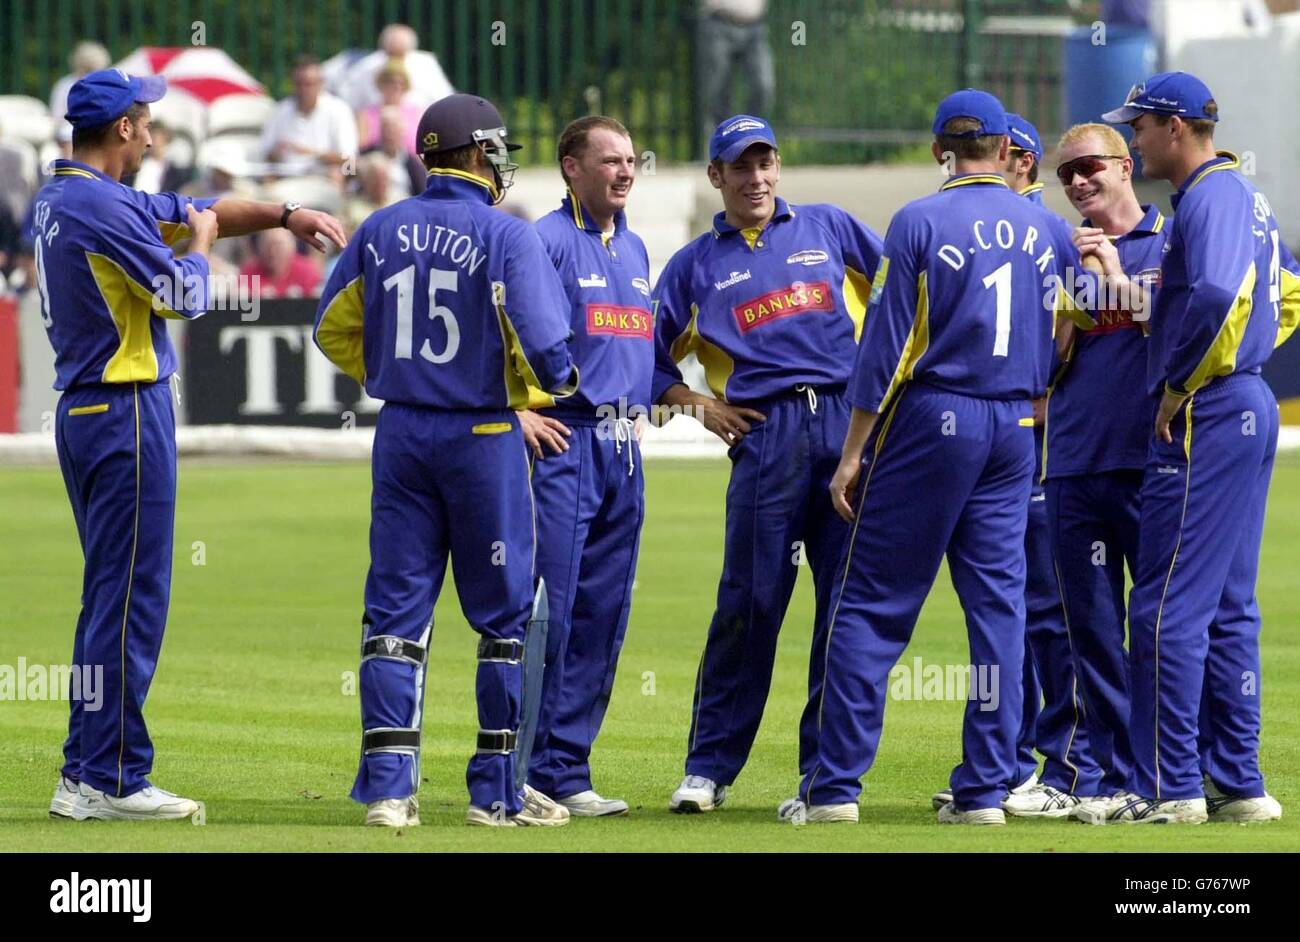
(240, 217)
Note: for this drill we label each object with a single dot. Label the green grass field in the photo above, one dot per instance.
(249, 714)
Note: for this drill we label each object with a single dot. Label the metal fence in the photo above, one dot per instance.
(858, 81)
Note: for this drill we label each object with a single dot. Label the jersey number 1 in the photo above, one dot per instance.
(439, 279)
(1001, 280)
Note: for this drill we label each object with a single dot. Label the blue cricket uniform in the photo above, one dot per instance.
(1229, 292)
(1052, 721)
(774, 317)
(957, 343)
(447, 310)
(591, 498)
(107, 279)
(1099, 416)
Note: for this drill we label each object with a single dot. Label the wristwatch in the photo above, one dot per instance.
(289, 207)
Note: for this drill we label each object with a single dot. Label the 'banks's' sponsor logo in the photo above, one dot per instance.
(619, 321)
(795, 299)
(808, 257)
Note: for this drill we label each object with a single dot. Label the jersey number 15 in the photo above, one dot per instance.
(439, 280)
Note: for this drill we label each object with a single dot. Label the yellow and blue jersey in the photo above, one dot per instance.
(1034, 193)
(965, 296)
(607, 280)
(108, 279)
(442, 301)
(1230, 289)
(1099, 414)
(766, 310)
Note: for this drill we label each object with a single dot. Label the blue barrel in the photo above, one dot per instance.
(1099, 74)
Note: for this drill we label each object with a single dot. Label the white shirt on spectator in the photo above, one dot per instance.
(428, 82)
(330, 128)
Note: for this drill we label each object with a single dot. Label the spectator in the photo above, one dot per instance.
(376, 190)
(393, 84)
(16, 163)
(311, 131)
(732, 34)
(407, 176)
(280, 270)
(157, 174)
(396, 41)
(86, 57)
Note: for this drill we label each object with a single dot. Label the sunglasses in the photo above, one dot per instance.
(1086, 166)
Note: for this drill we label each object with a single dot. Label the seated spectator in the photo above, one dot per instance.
(407, 175)
(376, 190)
(280, 270)
(311, 131)
(86, 57)
(157, 174)
(393, 85)
(396, 41)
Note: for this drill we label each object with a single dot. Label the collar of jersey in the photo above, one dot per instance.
(445, 183)
(75, 168)
(582, 219)
(721, 227)
(1152, 221)
(1032, 188)
(973, 179)
(1222, 160)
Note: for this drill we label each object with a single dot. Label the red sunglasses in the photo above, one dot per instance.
(1086, 166)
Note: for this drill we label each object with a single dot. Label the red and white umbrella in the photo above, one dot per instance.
(201, 71)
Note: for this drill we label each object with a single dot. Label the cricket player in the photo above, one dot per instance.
(939, 458)
(772, 301)
(1098, 426)
(448, 310)
(1056, 730)
(1230, 291)
(107, 278)
(587, 479)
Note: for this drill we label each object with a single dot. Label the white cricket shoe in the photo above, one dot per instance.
(147, 804)
(697, 794)
(794, 811)
(1129, 808)
(393, 813)
(1096, 806)
(1221, 807)
(65, 798)
(1040, 801)
(589, 804)
(538, 811)
(949, 814)
(941, 798)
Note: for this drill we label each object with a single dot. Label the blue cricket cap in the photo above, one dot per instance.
(972, 103)
(1024, 135)
(102, 96)
(1177, 93)
(733, 136)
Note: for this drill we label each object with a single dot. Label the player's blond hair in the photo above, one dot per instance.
(1112, 142)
